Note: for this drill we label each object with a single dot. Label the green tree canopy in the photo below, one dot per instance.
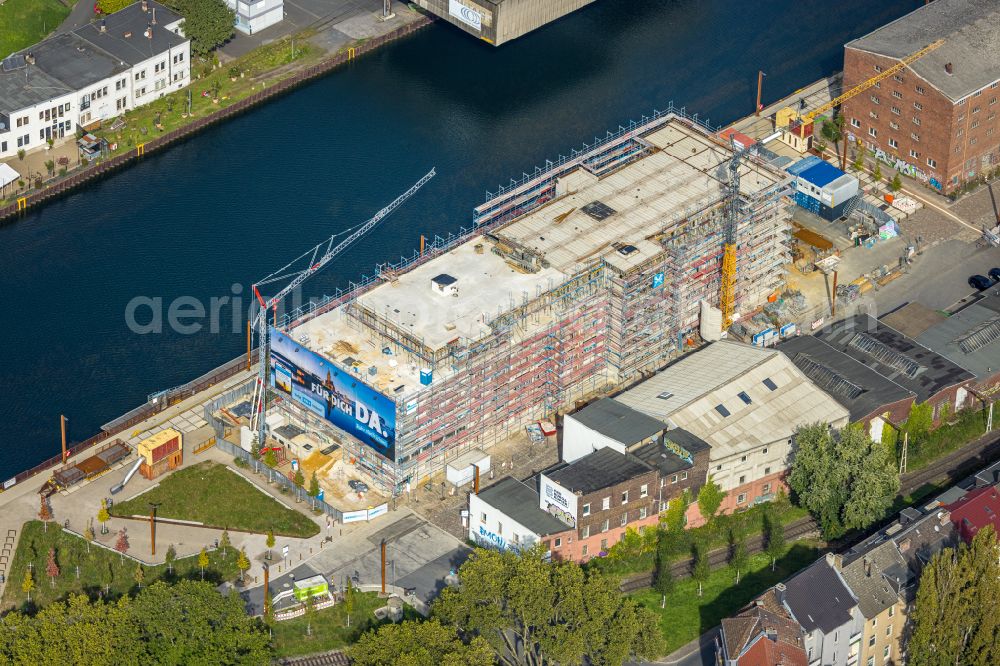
(558, 612)
(710, 499)
(955, 620)
(427, 643)
(674, 517)
(112, 6)
(844, 479)
(209, 23)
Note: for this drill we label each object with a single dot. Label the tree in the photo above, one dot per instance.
(700, 568)
(313, 486)
(28, 584)
(45, 513)
(833, 130)
(858, 164)
(663, 577)
(171, 557)
(202, 562)
(50, 166)
(739, 560)
(348, 601)
(710, 499)
(88, 533)
(270, 459)
(103, 516)
(299, 480)
(414, 643)
(897, 183)
(243, 562)
(310, 611)
(774, 534)
(877, 174)
(209, 23)
(531, 611)
(255, 456)
(675, 517)
(954, 619)
(224, 543)
(121, 545)
(139, 575)
(112, 6)
(51, 568)
(270, 542)
(844, 479)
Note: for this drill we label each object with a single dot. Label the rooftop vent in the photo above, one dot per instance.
(104, 25)
(149, 31)
(29, 58)
(599, 211)
(128, 34)
(145, 6)
(948, 68)
(626, 250)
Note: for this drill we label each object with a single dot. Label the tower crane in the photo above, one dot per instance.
(314, 259)
(727, 287)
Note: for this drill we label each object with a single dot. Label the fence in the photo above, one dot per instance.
(105, 167)
(299, 494)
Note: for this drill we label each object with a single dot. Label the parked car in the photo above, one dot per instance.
(358, 486)
(994, 274)
(980, 282)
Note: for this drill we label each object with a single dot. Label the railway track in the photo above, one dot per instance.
(955, 466)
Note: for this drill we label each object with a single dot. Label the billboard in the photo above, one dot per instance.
(333, 393)
(557, 500)
(466, 15)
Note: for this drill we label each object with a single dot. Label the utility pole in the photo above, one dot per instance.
(249, 343)
(62, 427)
(833, 298)
(383, 567)
(152, 527)
(760, 85)
(267, 582)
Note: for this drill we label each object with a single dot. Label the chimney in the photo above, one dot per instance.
(29, 58)
(948, 68)
(154, 17)
(127, 35)
(145, 6)
(868, 567)
(104, 25)
(149, 31)
(779, 592)
(904, 545)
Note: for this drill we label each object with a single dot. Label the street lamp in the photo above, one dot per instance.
(152, 526)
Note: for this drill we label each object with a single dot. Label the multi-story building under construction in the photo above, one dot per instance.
(576, 280)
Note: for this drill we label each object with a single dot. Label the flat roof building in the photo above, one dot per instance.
(506, 516)
(499, 21)
(970, 338)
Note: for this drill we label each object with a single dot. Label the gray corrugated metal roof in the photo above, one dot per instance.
(618, 421)
(970, 338)
(819, 599)
(815, 357)
(519, 501)
(971, 30)
(933, 372)
(600, 469)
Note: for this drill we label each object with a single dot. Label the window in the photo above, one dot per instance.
(604, 525)
(500, 529)
(893, 125)
(871, 661)
(769, 383)
(644, 490)
(140, 75)
(873, 131)
(767, 470)
(897, 77)
(877, 68)
(960, 132)
(673, 479)
(558, 542)
(140, 92)
(604, 545)
(914, 136)
(888, 630)
(3, 146)
(722, 410)
(885, 653)
(931, 163)
(918, 106)
(718, 468)
(897, 94)
(624, 521)
(873, 115)
(744, 397)
(975, 109)
(743, 479)
(767, 488)
(584, 552)
(993, 100)
(916, 121)
(585, 532)
(684, 476)
(871, 641)
(892, 611)
(855, 122)
(586, 509)
(743, 458)
(896, 110)
(741, 498)
(625, 497)
(642, 513)
(974, 125)
(605, 503)
(920, 90)
(914, 154)
(666, 395)
(482, 518)
(973, 141)
(893, 143)
(875, 99)
(763, 451)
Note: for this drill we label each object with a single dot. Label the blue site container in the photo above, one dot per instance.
(426, 377)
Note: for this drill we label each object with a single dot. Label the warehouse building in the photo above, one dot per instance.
(584, 278)
(499, 21)
(937, 119)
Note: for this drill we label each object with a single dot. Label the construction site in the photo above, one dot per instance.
(585, 276)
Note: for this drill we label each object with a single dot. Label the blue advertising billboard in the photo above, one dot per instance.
(333, 393)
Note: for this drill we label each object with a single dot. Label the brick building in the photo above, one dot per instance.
(936, 120)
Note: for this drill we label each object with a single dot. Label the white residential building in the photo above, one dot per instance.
(254, 16)
(91, 74)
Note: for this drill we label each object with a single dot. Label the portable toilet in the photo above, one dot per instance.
(426, 376)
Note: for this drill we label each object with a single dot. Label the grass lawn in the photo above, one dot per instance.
(24, 22)
(687, 615)
(211, 494)
(329, 629)
(101, 571)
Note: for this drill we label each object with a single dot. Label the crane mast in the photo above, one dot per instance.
(318, 257)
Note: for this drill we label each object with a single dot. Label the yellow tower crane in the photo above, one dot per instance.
(727, 288)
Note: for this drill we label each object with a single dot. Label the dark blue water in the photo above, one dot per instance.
(240, 200)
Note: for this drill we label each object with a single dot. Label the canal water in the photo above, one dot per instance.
(241, 199)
